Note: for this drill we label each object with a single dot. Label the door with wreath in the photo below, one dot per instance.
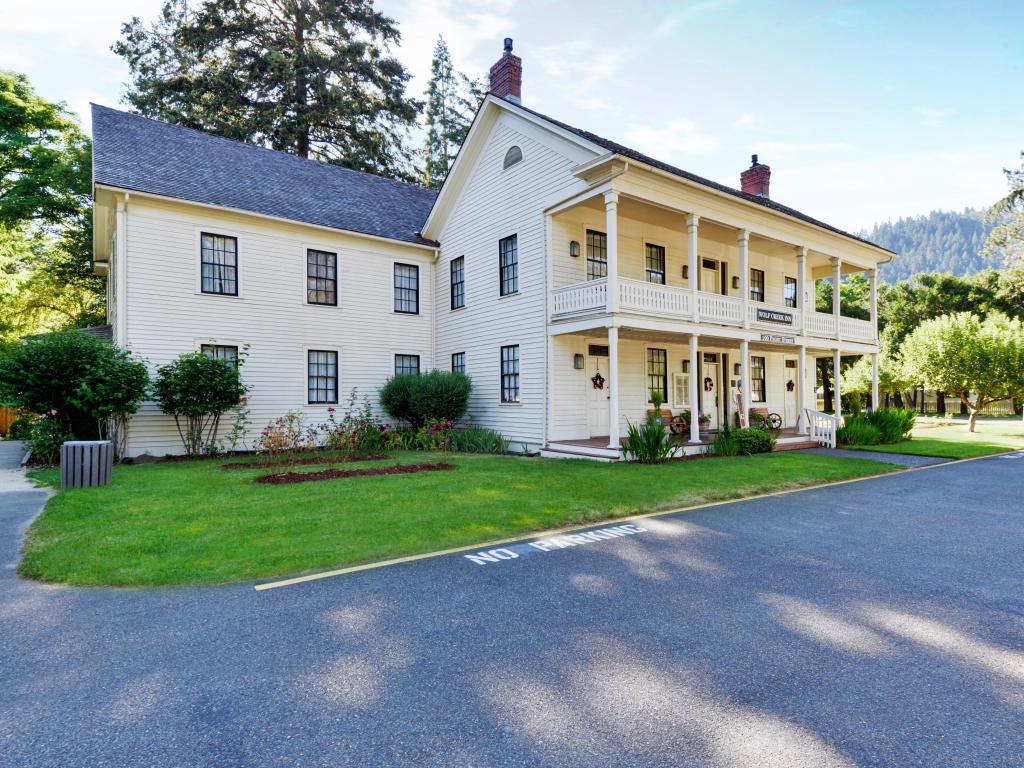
(597, 395)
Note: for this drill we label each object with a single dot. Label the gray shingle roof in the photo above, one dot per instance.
(143, 155)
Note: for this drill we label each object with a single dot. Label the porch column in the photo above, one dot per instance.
(611, 225)
(873, 283)
(835, 384)
(694, 414)
(613, 388)
(801, 389)
(837, 274)
(874, 381)
(743, 240)
(745, 381)
(691, 262)
(801, 287)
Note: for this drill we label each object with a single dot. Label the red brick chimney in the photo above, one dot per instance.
(507, 75)
(754, 180)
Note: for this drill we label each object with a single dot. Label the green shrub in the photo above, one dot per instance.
(647, 443)
(20, 428)
(751, 440)
(858, 431)
(725, 444)
(479, 440)
(359, 432)
(45, 437)
(895, 424)
(853, 402)
(419, 398)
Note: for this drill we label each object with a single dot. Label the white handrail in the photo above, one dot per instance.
(822, 427)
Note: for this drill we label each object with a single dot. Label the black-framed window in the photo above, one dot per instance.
(407, 289)
(789, 292)
(655, 261)
(321, 277)
(757, 284)
(757, 388)
(508, 265)
(219, 264)
(657, 373)
(225, 352)
(510, 374)
(407, 364)
(458, 362)
(458, 279)
(322, 376)
(597, 255)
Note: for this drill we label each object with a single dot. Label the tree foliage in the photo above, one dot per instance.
(452, 101)
(420, 398)
(310, 77)
(1007, 220)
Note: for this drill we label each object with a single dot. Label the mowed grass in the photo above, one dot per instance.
(953, 441)
(180, 523)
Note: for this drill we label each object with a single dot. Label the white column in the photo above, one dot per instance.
(801, 287)
(743, 240)
(694, 415)
(692, 265)
(801, 389)
(873, 283)
(745, 380)
(611, 225)
(835, 385)
(874, 382)
(613, 388)
(837, 274)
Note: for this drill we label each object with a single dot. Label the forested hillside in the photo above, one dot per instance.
(942, 241)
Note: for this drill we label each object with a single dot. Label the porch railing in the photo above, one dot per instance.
(856, 330)
(652, 298)
(582, 297)
(822, 427)
(820, 324)
(716, 308)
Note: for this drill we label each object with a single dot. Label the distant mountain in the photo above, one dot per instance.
(942, 241)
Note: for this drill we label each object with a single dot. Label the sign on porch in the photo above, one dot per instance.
(774, 316)
(777, 339)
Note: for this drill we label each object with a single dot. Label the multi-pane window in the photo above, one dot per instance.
(407, 288)
(458, 275)
(757, 379)
(227, 353)
(757, 284)
(790, 292)
(508, 265)
(322, 376)
(321, 277)
(655, 260)
(510, 374)
(407, 364)
(597, 255)
(219, 264)
(459, 362)
(657, 373)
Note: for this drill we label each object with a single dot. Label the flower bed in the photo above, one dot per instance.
(333, 474)
(303, 461)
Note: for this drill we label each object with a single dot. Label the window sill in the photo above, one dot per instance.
(508, 295)
(219, 295)
(511, 405)
(405, 314)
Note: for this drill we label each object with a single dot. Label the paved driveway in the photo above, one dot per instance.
(877, 623)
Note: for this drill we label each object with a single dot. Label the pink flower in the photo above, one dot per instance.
(243, 399)
(331, 410)
(52, 412)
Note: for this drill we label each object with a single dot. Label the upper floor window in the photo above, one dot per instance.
(225, 352)
(513, 156)
(321, 277)
(657, 373)
(655, 264)
(459, 362)
(458, 278)
(322, 376)
(219, 265)
(510, 374)
(508, 261)
(407, 289)
(789, 294)
(407, 364)
(757, 284)
(757, 389)
(597, 255)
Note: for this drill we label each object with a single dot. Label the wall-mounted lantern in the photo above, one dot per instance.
(577, 361)
(735, 281)
(686, 366)
(574, 248)
(736, 369)
(686, 271)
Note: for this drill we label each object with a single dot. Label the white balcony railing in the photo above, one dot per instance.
(716, 308)
(653, 299)
(856, 330)
(820, 324)
(590, 296)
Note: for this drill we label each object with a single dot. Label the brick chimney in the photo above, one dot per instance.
(507, 75)
(754, 180)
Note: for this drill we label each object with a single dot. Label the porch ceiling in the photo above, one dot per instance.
(705, 340)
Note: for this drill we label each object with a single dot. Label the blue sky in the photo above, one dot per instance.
(866, 111)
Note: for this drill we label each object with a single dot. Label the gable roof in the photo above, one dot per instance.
(143, 155)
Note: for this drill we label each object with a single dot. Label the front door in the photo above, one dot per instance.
(709, 393)
(792, 414)
(597, 399)
(709, 276)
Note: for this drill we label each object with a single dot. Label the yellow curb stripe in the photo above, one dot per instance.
(617, 520)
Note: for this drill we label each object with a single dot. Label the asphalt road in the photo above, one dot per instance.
(879, 623)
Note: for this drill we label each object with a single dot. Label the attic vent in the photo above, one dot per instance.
(513, 156)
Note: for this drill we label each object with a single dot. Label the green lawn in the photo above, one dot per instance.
(953, 441)
(192, 523)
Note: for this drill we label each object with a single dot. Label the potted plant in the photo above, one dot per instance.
(704, 421)
(656, 415)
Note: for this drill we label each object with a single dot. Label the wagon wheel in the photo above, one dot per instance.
(678, 425)
(773, 420)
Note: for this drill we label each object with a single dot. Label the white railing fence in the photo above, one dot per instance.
(582, 297)
(716, 308)
(856, 330)
(653, 298)
(822, 427)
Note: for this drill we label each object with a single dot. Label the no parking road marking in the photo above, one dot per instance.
(551, 543)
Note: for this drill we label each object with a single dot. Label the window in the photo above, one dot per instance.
(513, 156)
(321, 277)
(597, 255)
(223, 352)
(458, 277)
(407, 364)
(657, 373)
(790, 292)
(322, 376)
(510, 374)
(757, 379)
(757, 284)
(407, 289)
(508, 261)
(219, 268)
(655, 264)
(459, 362)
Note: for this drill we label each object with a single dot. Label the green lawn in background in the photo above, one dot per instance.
(180, 523)
(953, 441)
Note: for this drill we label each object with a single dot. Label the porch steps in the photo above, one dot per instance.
(794, 446)
(572, 451)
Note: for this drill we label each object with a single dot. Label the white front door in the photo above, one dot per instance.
(709, 395)
(792, 414)
(597, 399)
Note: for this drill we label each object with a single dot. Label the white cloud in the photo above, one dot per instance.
(785, 149)
(680, 136)
(749, 121)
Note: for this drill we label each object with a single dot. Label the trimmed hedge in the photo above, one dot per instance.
(419, 398)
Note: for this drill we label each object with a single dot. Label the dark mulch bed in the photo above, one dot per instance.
(297, 462)
(332, 474)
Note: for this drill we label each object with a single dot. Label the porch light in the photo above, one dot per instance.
(574, 248)
(735, 281)
(577, 361)
(686, 272)
(735, 369)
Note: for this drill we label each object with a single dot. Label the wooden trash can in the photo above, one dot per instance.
(85, 463)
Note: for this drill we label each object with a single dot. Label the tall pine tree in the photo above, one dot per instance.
(310, 77)
(452, 101)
